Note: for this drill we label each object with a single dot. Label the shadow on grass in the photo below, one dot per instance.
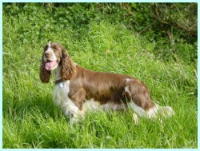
(35, 105)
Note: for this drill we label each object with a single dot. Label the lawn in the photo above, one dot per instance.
(31, 120)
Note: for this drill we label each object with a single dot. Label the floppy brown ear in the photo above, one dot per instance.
(67, 67)
(44, 74)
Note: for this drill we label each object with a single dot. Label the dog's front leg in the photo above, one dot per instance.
(77, 111)
(76, 117)
(72, 111)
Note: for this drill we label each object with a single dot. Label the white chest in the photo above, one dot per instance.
(62, 99)
(61, 92)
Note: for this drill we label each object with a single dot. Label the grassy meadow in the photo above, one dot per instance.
(98, 41)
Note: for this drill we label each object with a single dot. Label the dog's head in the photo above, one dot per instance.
(54, 56)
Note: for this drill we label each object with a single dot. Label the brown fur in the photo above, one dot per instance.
(100, 86)
(44, 74)
(107, 87)
(67, 67)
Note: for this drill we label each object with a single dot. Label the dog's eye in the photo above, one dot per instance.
(55, 48)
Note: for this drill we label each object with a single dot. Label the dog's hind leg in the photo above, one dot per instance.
(141, 103)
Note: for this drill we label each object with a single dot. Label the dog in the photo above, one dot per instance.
(78, 90)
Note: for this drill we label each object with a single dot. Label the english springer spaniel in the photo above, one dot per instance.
(78, 90)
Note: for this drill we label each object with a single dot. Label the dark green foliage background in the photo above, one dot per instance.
(173, 26)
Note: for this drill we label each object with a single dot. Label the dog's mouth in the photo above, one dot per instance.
(50, 65)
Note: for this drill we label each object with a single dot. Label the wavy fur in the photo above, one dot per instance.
(44, 74)
(67, 67)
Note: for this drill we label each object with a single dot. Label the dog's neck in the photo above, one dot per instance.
(57, 75)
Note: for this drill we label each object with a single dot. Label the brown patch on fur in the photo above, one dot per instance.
(67, 67)
(78, 96)
(44, 74)
(107, 87)
(139, 94)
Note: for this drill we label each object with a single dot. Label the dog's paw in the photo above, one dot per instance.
(135, 118)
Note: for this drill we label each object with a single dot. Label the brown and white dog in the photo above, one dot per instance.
(78, 90)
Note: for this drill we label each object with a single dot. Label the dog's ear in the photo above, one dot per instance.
(67, 66)
(44, 74)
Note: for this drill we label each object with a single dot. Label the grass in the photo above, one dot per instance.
(31, 120)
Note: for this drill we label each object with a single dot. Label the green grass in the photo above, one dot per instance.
(31, 120)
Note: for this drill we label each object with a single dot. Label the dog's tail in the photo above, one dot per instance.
(164, 111)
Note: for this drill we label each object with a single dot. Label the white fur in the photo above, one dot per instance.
(165, 111)
(137, 109)
(92, 105)
(152, 112)
(49, 44)
(52, 54)
(127, 90)
(113, 106)
(127, 80)
(62, 99)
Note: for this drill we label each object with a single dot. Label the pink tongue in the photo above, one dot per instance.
(50, 65)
